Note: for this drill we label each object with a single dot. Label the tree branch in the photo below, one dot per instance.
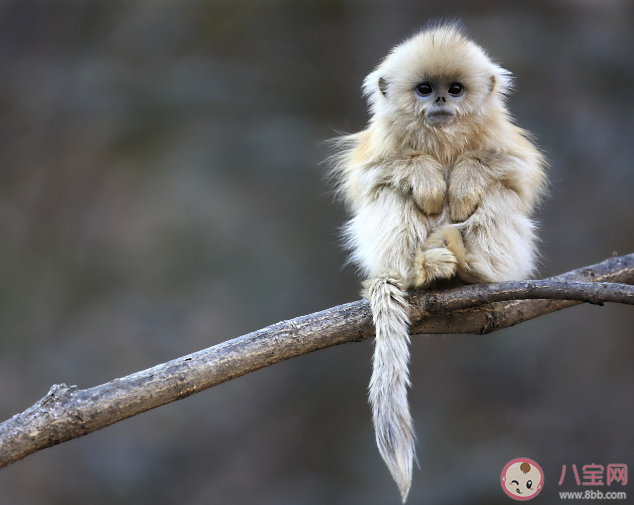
(66, 412)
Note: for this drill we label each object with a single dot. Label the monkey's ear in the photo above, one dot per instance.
(383, 86)
(501, 82)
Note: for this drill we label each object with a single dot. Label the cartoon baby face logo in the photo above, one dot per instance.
(522, 479)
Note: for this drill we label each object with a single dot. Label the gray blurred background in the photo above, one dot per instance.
(161, 192)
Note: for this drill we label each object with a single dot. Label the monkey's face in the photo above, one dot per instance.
(441, 91)
(440, 100)
(438, 95)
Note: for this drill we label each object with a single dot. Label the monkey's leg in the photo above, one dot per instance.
(499, 240)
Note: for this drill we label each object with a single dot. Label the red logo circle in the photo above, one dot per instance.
(522, 479)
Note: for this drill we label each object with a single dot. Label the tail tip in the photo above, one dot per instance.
(404, 488)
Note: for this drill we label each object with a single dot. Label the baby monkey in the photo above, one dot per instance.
(441, 184)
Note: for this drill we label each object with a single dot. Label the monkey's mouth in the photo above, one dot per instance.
(438, 117)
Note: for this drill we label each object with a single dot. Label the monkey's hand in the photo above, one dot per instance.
(468, 181)
(421, 177)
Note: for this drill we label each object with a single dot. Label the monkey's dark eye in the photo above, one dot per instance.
(455, 89)
(424, 89)
(529, 484)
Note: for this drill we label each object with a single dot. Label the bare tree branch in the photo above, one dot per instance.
(68, 412)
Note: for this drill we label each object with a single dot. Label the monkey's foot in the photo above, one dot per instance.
(468, 271)
(437, 263)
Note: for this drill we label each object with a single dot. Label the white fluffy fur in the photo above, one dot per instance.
(432, 201)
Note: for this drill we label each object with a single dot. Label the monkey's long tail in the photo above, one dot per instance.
(390, 380)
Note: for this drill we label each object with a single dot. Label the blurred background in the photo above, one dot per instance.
(161, 191)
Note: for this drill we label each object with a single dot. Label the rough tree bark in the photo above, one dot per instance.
(68, 412)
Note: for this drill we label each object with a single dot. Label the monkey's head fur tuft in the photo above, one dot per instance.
(437, 81)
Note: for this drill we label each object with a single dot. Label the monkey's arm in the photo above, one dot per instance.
(421, 177)
(381, 236)
(412, 175)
